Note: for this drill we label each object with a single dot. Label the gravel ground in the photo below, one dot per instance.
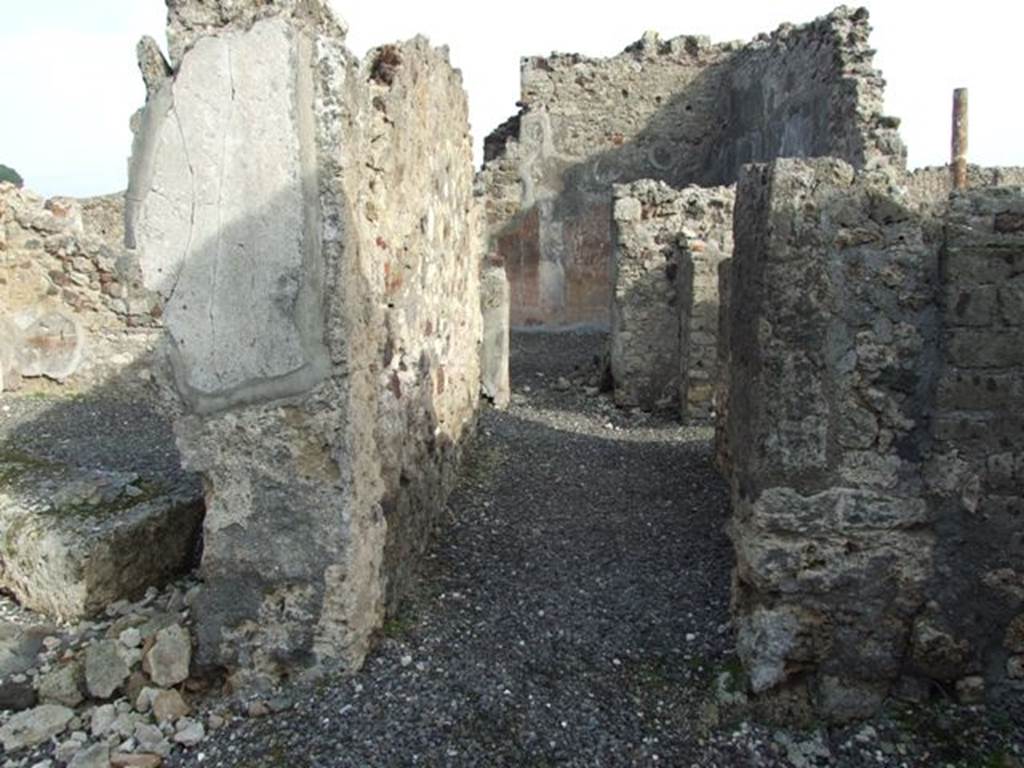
(568, 612)
(105, 430)
(573, 611)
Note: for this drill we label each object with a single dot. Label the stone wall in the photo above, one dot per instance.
(645, 341)
(833, 325)
(706, 241)
(874, 435)
(71, 299)
(806, 91)
(723, 354)
(682, 111)
(932, 186)
(974, 627)
(309, 220)
(588, 124)
(665, 302)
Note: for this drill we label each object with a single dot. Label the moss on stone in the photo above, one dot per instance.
(14, 464)
(102, 511)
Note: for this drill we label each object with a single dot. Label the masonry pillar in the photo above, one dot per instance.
(834, 338)
(308, 220)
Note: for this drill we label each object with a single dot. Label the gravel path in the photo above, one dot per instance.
(567, 614)
(104, 430)
(573, 609)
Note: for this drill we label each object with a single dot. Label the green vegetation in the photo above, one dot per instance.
(9, 174)
(401, 624)
(14, 464)
(150, 491)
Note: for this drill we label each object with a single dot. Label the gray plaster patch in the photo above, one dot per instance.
(225, 233)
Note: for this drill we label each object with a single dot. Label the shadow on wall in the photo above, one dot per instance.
(801, 92)
(316, 409)
(248, 329)
(558, 248)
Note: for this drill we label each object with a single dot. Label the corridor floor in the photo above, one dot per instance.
(572, 611)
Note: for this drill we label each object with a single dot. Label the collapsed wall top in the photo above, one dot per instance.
(683, 111)
(189, 20)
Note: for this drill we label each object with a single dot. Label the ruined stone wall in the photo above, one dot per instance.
(723, 354)
(875, 438)
(806, 91)
(71, 300)
(429, 245)
(973, 630)
(645, 340)
(932, 186)
(833, 343)
(706, 241)
(310, 221)
(665, 305)
(588, 124)
(681, 111)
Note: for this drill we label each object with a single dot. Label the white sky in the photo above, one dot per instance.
(69, 82)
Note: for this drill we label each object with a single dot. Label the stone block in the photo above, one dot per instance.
(76, 540)
(995, 348)
(969, 265)
(494, 354)
(972, 306)
(105, 669)
(980, 390)
(1011, 302)
(34, 726)
(63, 685)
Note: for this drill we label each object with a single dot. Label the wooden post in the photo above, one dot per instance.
(959, 163)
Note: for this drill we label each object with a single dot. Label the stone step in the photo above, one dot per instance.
(74, 540)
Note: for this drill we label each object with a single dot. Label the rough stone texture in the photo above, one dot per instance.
(875, 435)
(190, 20)
(682, 111)
(123, 760)
(167, 662)
(63, 685)
(976, 468)
(72, 303)
(807, 91)
(705, 242)
(645, 341)
(494, 351)
(310, 221)
(723, 455)
(931, 187)
(75, 540)
(95, 756)
(834, 330)
(664, 333)
(105, 670)
(34, 726)
(169, 706)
